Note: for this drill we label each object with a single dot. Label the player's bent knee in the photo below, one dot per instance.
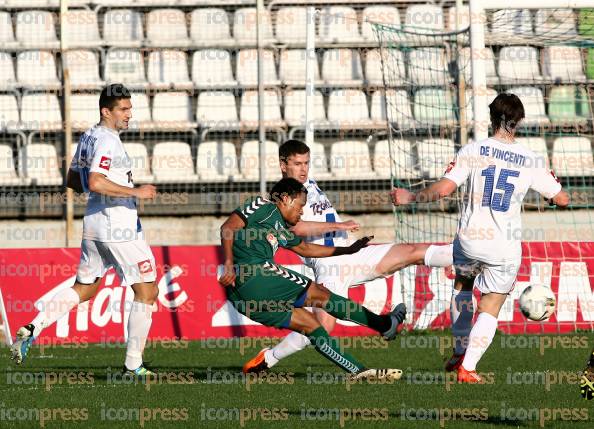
(318, 292)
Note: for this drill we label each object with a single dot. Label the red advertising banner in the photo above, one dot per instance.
(192, 305)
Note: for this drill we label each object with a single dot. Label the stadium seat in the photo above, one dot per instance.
(563, 64)
(167, 28)
(217, 161)
(244, 26)
(569, 105)
(295, 109)
(398, 104)
(8, 81)
(318, 162)
(84, 69)
(534, 105)
(435, 156)
(9, 113)
(217, 110)
(555, 23)
(537, 145)
(463, 18)
(424, 19)
(489, 60)
(210, 27)
(249, 110)
(403, 160)
(83, 29)
(250, 160)
(347, 109)
(41, 112)
(84, 110)
(491, 94)
(173, 111)
(388, 15)
(373, 68)
(339, 24)
(8, 176)
(342, 67)
(427, 66)
(292, 68)
(125, 66)
(519, 63)
(141, 112)
(36, 29)
(123, 28)
(38, 162)
(350, 160)
(141, 169)
(211, 69)
(7, 40)
(172, 163)
(434, 107)
(572, 157)
(511, 22)
(247, 68)
(169, 69)
(37, 70)
(291, 25)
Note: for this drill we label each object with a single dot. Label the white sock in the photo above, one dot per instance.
(461, 311)
(480, 338)
(60, 304)
(292, 343)
(139, 324)
(439, 256)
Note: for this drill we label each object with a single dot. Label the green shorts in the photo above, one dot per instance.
(269, 295)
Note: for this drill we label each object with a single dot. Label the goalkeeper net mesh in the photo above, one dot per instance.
(545, 57)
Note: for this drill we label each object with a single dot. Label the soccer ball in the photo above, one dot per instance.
(537, 302)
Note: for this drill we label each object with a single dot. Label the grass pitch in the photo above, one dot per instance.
(532, 381)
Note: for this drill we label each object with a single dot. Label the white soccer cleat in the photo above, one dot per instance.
(22, 343)
(389, 374)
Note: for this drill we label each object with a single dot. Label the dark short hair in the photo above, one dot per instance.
(506, 111)
(111, 94)
(290, 148)
(286, 187)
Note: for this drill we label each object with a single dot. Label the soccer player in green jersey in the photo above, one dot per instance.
(275, 296)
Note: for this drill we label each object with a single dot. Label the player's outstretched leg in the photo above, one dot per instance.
(587, 379)
(403, 255)
(305, 322)
(139, 324)
(59, 305)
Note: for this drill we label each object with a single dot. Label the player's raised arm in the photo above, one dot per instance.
(546, 184)
(310, 250)
(233, 223)
(314, 229)
(434, 192)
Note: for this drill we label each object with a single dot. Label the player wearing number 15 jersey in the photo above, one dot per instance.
(497, 173)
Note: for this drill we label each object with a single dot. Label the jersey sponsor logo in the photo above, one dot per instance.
(450, 166)
(145, 266)
(105, 163)
(273, 241)
(318, 208)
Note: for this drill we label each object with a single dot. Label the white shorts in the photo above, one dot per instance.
(133, 261)
(338, 273)
(497, 278)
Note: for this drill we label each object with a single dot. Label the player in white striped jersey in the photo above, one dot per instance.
(112, 233)
(497, 172)
(321, 224)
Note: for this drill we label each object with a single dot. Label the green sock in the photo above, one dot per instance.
(346, 309)
(328, 347)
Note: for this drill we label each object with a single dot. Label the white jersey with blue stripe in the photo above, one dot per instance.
(320, 209)
(107, 219)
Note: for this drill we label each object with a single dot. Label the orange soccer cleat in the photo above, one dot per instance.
(257, 363)
(470, 377)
